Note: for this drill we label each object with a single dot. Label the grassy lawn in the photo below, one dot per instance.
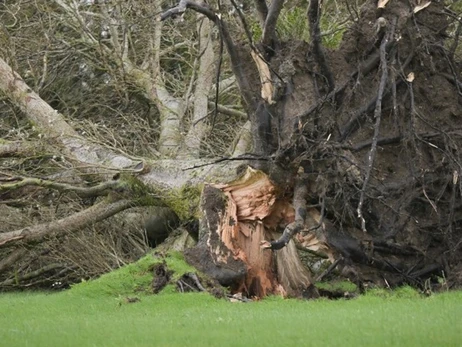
(95, 313)
(170, 319)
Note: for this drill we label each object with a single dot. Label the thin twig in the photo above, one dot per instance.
(220, 160)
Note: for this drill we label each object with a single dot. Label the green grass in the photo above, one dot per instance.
(132, 279)
(96, 313)
(344, 286)
(72, 319)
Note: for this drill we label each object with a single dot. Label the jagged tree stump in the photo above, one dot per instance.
(237, 219)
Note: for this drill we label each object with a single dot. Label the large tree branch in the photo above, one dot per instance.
(270, 23)
(52, 123)
(198, 129)
(83, 192)
(151, 84)
(234, 53)
(21, 148)
(71, 223)
(92, 157)
(262, 11)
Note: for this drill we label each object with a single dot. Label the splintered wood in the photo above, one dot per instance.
(267, 88)
(249, 200)
(255, 213)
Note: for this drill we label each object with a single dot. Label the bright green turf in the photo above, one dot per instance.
(95, 313)
(73, 319)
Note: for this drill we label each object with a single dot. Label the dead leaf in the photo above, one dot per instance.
(382, 3)
(422, 6)
(410, 77)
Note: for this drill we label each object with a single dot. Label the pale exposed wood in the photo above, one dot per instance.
(267, 88)
(382, 3)
(420, 7)
(250, 199)
(253, 213)
(243, 144)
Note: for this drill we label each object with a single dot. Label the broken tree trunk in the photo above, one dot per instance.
(236, 219)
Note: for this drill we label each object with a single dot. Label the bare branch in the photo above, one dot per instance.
(33, 274)
(228, 111)
(84, 192)
(12, 258)
(71, 223)
(235, 56)
(20, 148)
(185, 4)
(270, 23)
(314, 17)
(198, 130)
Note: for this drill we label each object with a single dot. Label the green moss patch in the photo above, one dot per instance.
(133, 279)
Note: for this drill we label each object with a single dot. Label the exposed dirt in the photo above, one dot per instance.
(413, 197)
(402, 173)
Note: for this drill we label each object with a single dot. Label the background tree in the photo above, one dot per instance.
(362, 169)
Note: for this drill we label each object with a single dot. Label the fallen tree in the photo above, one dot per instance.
(349, 162)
